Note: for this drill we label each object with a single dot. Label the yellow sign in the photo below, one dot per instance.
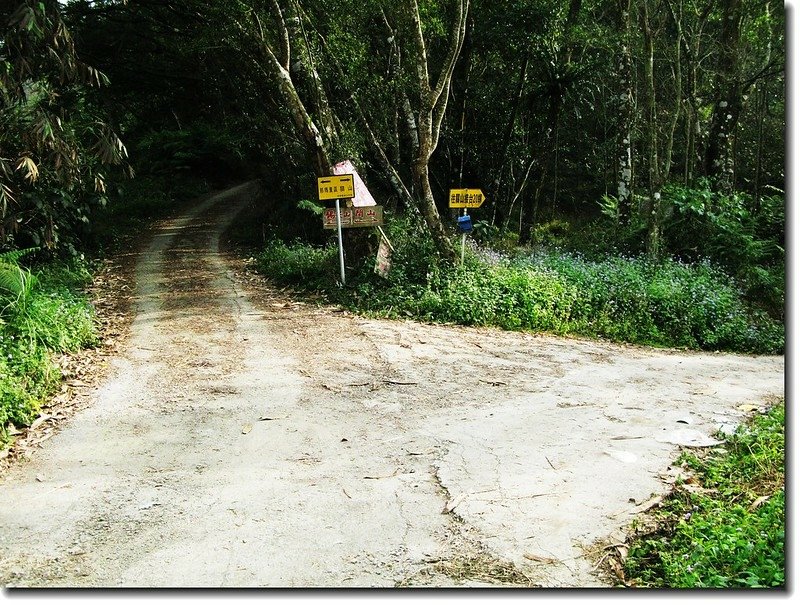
(466, 198)
(339, 187)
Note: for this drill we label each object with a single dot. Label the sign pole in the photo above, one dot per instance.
(463, 240)
(465, 198)
(341, 245)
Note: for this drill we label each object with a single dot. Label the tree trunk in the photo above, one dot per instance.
(692, 36)
(762, 112)
(305, 70)
(431, 110)
(278, 63)
(545, 150)
(304, 124)
(464, 80)
(653, 243)
(625, 109)
(494, 191)
(676, 12)
(692, 160)
(728, 105)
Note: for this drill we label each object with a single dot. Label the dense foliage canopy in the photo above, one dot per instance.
(659, 122)
(549, 106)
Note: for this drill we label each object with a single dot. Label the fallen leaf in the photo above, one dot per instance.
(453, 503)
(41, 440)
(539, 558)
(247, 428)
(748, 407)
(758, 502)
(39, 478)
(616, 567)
(696, 489)
(39, 421)
(382, 476)
(272, 418)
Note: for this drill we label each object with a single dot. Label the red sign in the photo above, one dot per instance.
(365, 216)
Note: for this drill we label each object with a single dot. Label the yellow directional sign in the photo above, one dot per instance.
(339, 187)
(466, 198)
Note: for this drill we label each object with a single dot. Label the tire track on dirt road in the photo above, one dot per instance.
(371, 429)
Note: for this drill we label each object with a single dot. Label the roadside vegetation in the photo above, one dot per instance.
(725, 526)
(42, 314)
(566, 284)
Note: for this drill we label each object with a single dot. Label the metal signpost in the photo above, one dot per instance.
(465, 198)
(337, 188)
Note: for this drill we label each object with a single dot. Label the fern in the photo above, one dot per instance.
(310, 206)
(11, 257)
(16, 284)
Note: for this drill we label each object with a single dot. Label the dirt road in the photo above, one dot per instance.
(245, 439)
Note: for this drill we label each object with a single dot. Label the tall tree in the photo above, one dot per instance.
(728, 100)
(625, 108)
(276, 61)
(660, 126)
(432, 97)
(420, 100)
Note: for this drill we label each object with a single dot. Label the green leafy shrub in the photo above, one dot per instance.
(668, 303)
(40, 315)
(748, 241)
(745, 238)
(733, 534)
(305, 266)
(624, 299)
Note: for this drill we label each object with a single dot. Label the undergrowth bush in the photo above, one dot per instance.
(626, 299)
(732, 533)
(744, 237)
(41, 315)
(299, 264)
(666, 303)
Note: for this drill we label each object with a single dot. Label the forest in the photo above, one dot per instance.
(631, 153)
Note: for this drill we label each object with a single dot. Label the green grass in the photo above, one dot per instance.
(668, 304)
(731, 535)
(41, 315)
